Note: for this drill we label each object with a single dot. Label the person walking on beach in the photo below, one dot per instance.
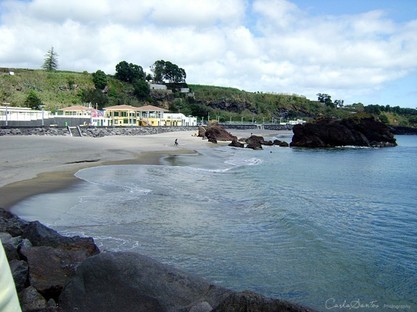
(176, 142)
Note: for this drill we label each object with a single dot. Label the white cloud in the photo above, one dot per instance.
(197, 13)
(265, 45)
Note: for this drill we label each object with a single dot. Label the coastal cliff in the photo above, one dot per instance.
(57, 273)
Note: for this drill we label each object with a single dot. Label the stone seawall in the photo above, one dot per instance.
(256, 126)
(91, 131)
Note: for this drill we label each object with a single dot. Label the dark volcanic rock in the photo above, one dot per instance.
(20, 270)
(11, 224)
(201, 132)
(217, 133)
(404, 130)
(236, 143)
(254, 142)
(132, 282)
(249, 301)
(41, 235)
(281, 143)
(49, 268)
(31, 300)
(345, 132)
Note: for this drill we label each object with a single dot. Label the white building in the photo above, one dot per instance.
(179, 119)
(10, 113)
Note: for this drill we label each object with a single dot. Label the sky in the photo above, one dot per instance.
(359, 51)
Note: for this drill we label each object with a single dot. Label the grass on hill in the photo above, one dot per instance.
(59, 89)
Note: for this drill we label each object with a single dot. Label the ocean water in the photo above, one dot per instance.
(333, 229)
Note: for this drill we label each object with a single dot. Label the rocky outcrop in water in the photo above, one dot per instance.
(346, 132)
(57, 273)
(256, 142)
(216, 133)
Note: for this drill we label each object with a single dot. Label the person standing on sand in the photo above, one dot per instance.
(176, 142)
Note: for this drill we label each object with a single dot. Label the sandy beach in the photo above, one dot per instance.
(32, 165)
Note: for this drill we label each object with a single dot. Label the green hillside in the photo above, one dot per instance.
(58, 89)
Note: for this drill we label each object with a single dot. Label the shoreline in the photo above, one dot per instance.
(49, 182)
(33, 165)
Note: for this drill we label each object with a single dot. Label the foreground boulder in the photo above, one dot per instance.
(50, 268)
(125, 281)
(132, 282)
(41, 260)
(346, 132)
(41, 235)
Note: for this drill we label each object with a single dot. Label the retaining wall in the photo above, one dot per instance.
(91, 131)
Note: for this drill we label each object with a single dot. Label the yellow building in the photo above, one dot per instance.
(150, 115)
(121, 115)
(127, 115)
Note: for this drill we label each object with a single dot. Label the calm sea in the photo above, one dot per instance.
(333, 229)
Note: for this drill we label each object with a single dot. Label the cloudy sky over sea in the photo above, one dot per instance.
(357, 50)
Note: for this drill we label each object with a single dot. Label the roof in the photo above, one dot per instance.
(146, 108)
(76, 108)
(151, 108)
(121, 107)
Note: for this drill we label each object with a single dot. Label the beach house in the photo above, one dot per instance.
(127, 115)
(150, 115)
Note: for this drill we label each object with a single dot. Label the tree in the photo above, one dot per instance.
(141, 89)
(339, 103)
(158, 71)
(33, 101)
(100, 79)
(129, 72)
(165, 71)
(326, 99)
(95, 97)
(51, 60)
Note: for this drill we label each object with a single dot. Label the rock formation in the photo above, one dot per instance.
(133, 282)
(254, 142)
(346, 132)
(216, 133)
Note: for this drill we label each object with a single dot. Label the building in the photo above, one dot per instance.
(119, 115)
(127, 115)
(150, 115)
(158, 87)
(77, 110)
(94, 117)
(178, 120)
(10, 114)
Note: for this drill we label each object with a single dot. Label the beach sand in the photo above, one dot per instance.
(31, 165)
